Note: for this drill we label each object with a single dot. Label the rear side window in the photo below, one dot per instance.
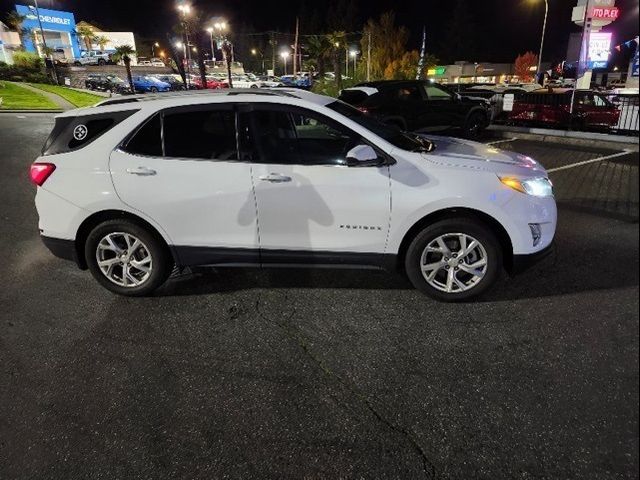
(73, 133)
(202, 134)
(148, 139)
(353, 97)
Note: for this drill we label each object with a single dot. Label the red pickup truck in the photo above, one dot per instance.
(592, 110)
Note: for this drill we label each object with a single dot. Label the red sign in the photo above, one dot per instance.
(605, 13)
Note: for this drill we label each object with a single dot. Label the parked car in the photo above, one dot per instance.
(304, 81)
(213, 83)
(419, 106)
(157, 62)
(316, 175)
(106, 83)
(243, 81)
(92, 58)
(552, 107)
(175, 81)
(269, 81)
(147, 83)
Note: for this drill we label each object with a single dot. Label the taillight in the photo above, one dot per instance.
(364, 110)
(40, 172)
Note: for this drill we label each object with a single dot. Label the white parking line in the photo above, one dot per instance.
(593, 160)
(495, 142)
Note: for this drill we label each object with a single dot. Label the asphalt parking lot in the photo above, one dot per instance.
(326, 374)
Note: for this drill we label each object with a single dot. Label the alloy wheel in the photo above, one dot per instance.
(124, 259)
(454, 262)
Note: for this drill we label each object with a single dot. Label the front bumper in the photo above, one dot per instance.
(522, 263)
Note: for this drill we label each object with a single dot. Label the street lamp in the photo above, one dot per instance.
(219, 28)
(544, 29)
(185, 9)
(213, 55)
(153, 47)
(285, 56)
(354, 55)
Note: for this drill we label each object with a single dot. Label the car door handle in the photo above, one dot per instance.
(275, 178)
(142, 171)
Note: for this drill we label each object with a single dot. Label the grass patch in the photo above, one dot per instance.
(79, 99)
(14, 97)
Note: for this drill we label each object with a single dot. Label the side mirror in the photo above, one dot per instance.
(363, 156)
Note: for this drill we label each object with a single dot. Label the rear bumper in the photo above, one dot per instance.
(522, 263)
(61, 248)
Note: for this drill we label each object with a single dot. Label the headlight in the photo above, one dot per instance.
(537, 187)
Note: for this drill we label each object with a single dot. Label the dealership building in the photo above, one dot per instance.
(60, 34)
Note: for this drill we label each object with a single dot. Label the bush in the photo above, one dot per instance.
(28, 60)
(15, 73)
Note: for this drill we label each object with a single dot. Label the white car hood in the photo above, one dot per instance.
(455, 152)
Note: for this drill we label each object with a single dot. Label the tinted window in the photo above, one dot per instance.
(407, 93)
(147, 140)
(435, 93)
(204, 134)
(291, 137)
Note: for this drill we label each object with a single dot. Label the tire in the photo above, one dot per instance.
(150, 264)
(475, 124)
(101, 62)
(153, 90)
(77, 64)
(450, 231)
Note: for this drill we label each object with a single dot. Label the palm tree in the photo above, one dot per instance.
(87, 35)
(318, 47)
(338, 41)
(101, 41)
(124, 52)
(15, 21)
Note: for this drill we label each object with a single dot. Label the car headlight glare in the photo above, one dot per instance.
(536, 187)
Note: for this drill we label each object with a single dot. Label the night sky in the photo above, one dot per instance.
(505, 27)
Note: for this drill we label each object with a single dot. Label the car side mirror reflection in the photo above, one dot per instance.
(363, 156)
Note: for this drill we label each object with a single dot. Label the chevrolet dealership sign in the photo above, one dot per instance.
(55, 20)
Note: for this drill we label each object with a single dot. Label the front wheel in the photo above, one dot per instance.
(126, 258)
(153, 90)
(475, 124)
(454, 260)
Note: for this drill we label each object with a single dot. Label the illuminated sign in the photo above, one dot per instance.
(605, 13)
(599, 49)
(436, 71)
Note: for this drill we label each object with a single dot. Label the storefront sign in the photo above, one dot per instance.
(436, 71)
(605, 13)
(55, 20)
(599, 49)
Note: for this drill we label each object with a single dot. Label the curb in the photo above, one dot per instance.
(585, 139)
(30, 111)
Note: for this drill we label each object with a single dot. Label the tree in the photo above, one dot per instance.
(337, 41)
(88, 37)
(124, 53)
(524, 64)
(15, 21)
(388, 43)
(404, 68)
(319, 49)
(102, 42)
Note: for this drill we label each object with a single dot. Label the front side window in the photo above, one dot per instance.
(295, 137)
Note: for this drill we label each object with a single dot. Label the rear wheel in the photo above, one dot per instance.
(153, 90)
(126, 258)
(454, 260)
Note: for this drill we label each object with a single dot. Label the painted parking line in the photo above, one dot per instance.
(506, 140)
(593, 160)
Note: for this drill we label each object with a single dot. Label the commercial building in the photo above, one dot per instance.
(60, 34)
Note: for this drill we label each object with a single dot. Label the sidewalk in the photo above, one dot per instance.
(58, 100)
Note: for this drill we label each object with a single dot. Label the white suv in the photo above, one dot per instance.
(137, 185)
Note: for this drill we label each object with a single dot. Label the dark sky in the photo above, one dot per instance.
(505, 27)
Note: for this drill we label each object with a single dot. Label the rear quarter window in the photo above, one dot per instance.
(73, 133)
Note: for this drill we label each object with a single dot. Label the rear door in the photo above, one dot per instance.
(441, 109)
(181, 169)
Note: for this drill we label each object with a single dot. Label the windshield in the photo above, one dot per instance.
(393, 135)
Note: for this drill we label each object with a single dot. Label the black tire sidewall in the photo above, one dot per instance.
(469, 226)
(162, 263)
(471, 121)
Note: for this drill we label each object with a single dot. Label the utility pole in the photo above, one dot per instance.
(273, 51)
(295, 49)
(423, 52)
(44, 44)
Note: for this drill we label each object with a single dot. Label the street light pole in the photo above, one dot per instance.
(44, 42)
(544, 29)
(213, 55)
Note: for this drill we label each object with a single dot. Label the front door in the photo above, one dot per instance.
(189, 181)
(309, 201)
